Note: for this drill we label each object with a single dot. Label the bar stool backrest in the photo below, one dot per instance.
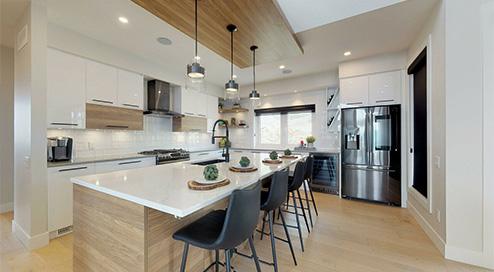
(309, 165)
(298, 177)
(241, 218)
(277, 191)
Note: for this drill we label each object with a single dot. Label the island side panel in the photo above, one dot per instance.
(163, 252)
(109, 233)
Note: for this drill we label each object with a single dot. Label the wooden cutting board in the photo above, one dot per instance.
(194, 185)
(242, 170)
(288, 157)
(272, 161)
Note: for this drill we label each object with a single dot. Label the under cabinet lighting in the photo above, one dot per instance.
(347, 53)
(123, 20)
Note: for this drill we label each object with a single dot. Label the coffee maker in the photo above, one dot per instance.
(59, 149)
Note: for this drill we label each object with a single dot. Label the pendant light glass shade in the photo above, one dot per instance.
(254, 95)
(231, 87)
(195, 70)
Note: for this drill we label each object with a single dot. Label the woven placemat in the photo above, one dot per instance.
(242, 170)
(272, 161)
(194, 185)
(288, 157)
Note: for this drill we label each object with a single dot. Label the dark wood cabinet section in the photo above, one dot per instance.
(108, 117)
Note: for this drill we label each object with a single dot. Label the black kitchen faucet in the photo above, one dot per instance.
(226, 148)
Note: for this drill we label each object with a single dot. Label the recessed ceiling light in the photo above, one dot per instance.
(282, 67)
(234, 76)
(295, 91)
(123, 20)
(164, 41)
(347, 53)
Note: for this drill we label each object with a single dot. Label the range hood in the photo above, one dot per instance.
(160, 100)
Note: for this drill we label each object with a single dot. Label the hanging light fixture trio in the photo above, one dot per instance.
(254, 94)
(195, 70)
(231, 86)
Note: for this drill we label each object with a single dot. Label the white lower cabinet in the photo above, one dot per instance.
(206, 155)
(60, 194)
(60, 197)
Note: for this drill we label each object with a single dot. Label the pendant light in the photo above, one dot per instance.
(195, 70)
(254, 94)
(231, 86)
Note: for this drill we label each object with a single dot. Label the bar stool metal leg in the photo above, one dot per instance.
(217, 260)
(263, 224)
(184, 257)
(303, 210)
(313, 199)
(273, 241)
(227, 260)
(254, 254)
(298, 221)
(308, 204)
(287, 235)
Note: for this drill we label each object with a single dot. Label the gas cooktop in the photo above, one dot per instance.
(167, 155)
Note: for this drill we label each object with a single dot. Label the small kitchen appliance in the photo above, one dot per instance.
(59, 149)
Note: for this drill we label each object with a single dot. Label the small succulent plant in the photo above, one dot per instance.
(288, 152)
(244, 161)
(273, 155)
(310, 139)
(210, 172)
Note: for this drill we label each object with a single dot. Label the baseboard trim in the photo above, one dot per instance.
(6, 207)
(428, 229)
(30, 242)
(476, 258)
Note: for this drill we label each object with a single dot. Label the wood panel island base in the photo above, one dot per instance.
(125, 220)
(112, 234)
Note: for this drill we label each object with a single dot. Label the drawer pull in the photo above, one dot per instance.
(129, 162)
(64, 124)
(112, 126)
(189, 113)
(102, 101)
(72, 169)
(203, 154)
(384, 100)
(131, 105)
(355, 103)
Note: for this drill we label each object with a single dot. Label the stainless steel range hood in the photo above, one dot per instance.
(160, 100)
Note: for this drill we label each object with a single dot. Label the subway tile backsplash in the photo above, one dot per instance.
(157, 134)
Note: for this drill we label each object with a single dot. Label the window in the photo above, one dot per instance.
(283, 127)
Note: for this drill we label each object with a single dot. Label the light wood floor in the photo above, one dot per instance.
(347, 236)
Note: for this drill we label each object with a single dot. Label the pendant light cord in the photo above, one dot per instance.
(195, 12)
(254, 67)
(231, 55)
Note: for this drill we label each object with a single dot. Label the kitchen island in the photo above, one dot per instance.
(124, 221)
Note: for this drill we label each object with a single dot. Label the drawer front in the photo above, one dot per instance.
(107, 117)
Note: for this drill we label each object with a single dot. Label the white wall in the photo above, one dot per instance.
(7, 128)
(375, 64)
(30, 184)
(428, 218)
(156, 135)
(465, 184)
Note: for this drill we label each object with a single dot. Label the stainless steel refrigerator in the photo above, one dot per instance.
(371, 154)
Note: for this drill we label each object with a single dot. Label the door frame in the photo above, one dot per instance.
(426, 203)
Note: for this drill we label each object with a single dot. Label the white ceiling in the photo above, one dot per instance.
(304, 15)
(384, 30)
(10, 12)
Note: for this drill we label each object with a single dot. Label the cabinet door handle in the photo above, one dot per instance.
(355, 103)
(72, 169)
(129, 162)
(202, 115)
(112, 126)
(131, 105)
(189, 113)
(102, 101)
(64, 124)
(203, 154)
(384, 100)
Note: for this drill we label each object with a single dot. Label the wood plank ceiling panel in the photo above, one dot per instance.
(259, 22)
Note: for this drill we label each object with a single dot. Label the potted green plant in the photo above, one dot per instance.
(210, 172)
(273, 155)
(224, 143)
(310, 141)
(288, 152)
(244, 161)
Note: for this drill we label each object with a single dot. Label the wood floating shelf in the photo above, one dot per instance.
(234, 126)
(233, 110)
(259, 22)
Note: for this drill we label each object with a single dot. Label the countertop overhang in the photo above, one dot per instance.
(164, 187)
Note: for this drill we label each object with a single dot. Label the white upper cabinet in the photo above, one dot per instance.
(384, 88)
(191, 103)
(101, 83)
(354, 91)
(130, 90)
(66, 96)
(212, 106)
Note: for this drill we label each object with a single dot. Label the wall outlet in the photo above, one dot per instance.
(438, 215)
(437, 162)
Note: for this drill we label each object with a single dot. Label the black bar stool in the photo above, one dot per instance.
(270, 202)
(309, 165)
(225, 230)
(294, 185)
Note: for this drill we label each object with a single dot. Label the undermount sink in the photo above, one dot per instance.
(209, 162)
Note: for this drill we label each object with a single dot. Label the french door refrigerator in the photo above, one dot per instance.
(371, 154)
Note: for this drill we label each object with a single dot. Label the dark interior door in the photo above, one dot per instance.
(419, 71)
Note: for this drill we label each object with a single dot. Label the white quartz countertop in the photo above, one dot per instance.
(164, 187)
